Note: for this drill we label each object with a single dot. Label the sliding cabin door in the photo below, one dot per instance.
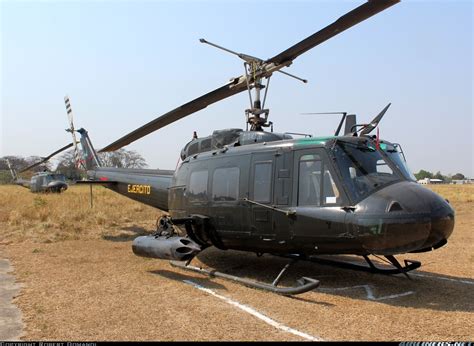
(261, 191)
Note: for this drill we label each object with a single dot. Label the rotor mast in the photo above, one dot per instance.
(256, 70)
(255, 112)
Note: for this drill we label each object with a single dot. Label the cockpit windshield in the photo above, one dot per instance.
(54, 177)
(59, 177)
(395, 154)
(363, 168)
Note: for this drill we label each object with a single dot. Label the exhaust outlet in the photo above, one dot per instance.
(162, 247)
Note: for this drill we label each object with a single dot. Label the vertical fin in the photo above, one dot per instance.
(90, 157)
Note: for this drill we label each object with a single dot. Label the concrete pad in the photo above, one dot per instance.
(11, 325)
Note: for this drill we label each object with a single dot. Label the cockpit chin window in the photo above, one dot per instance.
(363, 168)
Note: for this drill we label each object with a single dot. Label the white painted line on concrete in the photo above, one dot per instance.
(368, 291)
(11, 325)
(441, 278)
(255, 313)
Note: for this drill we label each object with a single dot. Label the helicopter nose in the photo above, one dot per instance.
(404, 217)
(442, 221)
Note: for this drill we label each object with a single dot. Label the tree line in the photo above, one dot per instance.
(422, 174)
(121, 159)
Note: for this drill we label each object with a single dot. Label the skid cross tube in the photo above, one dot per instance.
(304, 284)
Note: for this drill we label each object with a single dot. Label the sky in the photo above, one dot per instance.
(124, 63)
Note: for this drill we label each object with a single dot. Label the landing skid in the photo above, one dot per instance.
(372, 268)
(303, 285)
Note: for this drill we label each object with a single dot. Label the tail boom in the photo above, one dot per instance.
(149, 186)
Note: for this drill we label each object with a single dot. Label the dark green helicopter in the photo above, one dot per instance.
(266, 192)
(42, 181)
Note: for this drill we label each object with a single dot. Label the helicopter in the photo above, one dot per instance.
(42, 181)
(252, 190)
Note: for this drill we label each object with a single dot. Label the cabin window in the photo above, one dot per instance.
(309, 182)
(330, 192)
(198, 186)
(181, 174)
(262, 182)
(193, 148)
(206, 144)
(225, 184)
(316, 185)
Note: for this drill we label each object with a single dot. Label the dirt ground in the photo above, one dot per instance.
(90, 286)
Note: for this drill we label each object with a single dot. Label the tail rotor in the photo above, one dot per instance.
(77, 158)
(12, 171)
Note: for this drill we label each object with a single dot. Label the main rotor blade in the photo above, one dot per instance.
(239, 84)
(69, 112)
(178, 113)
(359, 14)
(373, 124)
(44, 159)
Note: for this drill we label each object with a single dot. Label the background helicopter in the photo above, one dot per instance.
(42, 181)
(269, 193)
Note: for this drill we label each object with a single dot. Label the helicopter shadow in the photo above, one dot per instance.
(179, 277)
(210, 283)
(127, 234)
(424, 290)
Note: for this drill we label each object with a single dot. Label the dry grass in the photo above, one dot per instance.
(82, 282)
(458, 195)
(46, 218)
